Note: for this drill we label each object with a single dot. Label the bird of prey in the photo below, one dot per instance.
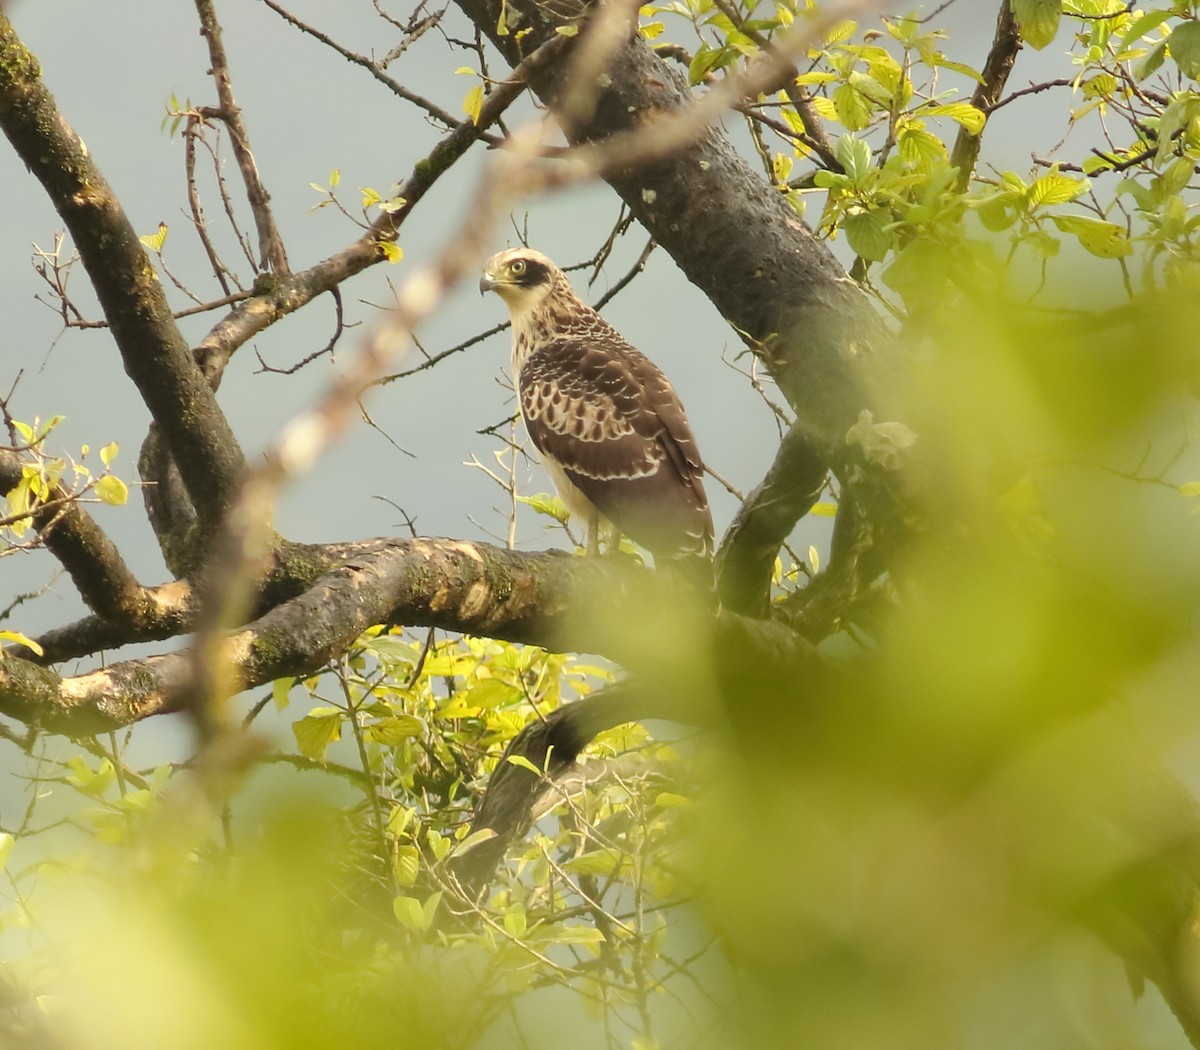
(610, 427)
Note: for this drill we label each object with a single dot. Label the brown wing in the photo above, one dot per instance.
(611, 420)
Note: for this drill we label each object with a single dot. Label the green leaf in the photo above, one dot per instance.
(46, 427)
(457, 707)
(6, 847)
(429, 910)
(1184, 43)
(1182, 110)
(831, 180)
(492, 692)
(996, 213)
(1105, 239)
(1177, 175)
(961, 113)
(567, 30)
(399, 819)
(473, 103)
(392, 731)
(813, 77)
(919, 149)
(474, 839)
(961, 68)
(544, 503)
(410, 914)
(279, 692)
(1054, 188)
(17, 638)
(316, 731)
(669, 800)
(1037, 20)
(781, 168)
(108, 453)
(87, 781)
(439, 844)
(841, 32)
(1103, 85)
(154, 241)
(335, 177)
(524, 763)
(1042, 243)
(1093, 164)
(112, 490)
(391, 251)
(854, 155)
(516, 922)
(1141, 26)
(1148, 65)
(703, 63)
(871, 88)
(570, 935)
(19, 500)
(853, 109)
(868, 235)
(601, 862)
(406, 864)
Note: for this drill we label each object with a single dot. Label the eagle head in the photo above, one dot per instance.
(521, 277)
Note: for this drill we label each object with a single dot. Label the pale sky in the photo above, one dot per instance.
(113, 66)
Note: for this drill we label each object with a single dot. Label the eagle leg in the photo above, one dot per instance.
(593, 532)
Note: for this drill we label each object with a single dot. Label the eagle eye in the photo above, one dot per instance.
(518, 267)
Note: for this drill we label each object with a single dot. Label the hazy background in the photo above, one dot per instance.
(113, 67)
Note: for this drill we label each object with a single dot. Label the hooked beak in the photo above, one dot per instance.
(487, 282)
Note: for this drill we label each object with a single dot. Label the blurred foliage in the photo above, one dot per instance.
(978, 830)
(50, 481)
(325, 913)
(891, 100)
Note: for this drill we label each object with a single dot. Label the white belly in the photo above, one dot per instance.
(580, 507)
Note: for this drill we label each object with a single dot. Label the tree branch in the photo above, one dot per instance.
(93, 561)
(374, 68)
(270, 244)
(277, 296)
(552, 744)
(152, 348)
(746, 557)
(814, 130)
(1003, 54)
(554, 600)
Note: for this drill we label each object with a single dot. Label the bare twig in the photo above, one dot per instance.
(638, 267)
(271, 252)
(190, 134)
(376, 69)
(338, 329)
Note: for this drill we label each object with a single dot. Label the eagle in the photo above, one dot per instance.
(612, 432)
